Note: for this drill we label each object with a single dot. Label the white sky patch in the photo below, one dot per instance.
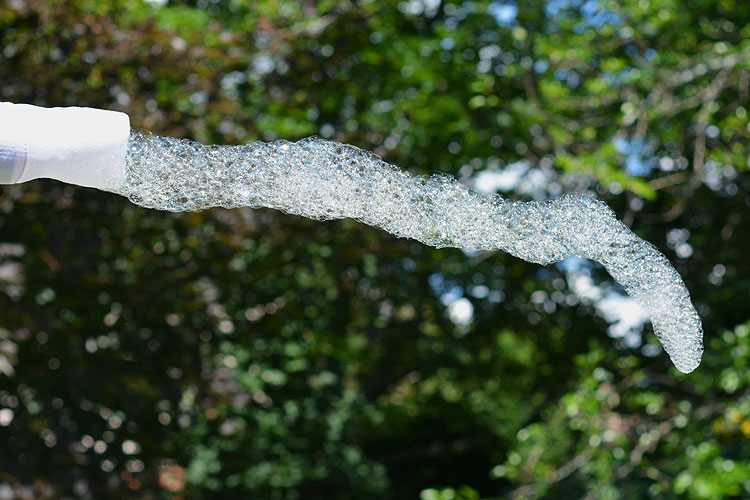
(520, 177)
(461, 312)
(6, 416)
(625, 317)
(263, 64)
(491, 181)
(582, 284)
(504, 14)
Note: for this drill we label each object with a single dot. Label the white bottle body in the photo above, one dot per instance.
(82, 146)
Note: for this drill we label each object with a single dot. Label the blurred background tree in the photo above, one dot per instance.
(253, 354)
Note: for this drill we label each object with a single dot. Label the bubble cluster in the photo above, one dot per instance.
(324, 180)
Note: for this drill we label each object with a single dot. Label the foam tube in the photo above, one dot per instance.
(326, 180)
(82, 146)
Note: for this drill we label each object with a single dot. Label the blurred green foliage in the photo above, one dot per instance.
(251, 354)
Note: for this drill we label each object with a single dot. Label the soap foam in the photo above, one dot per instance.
(325, 180)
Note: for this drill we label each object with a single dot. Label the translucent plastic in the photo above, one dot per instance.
(321, 179)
